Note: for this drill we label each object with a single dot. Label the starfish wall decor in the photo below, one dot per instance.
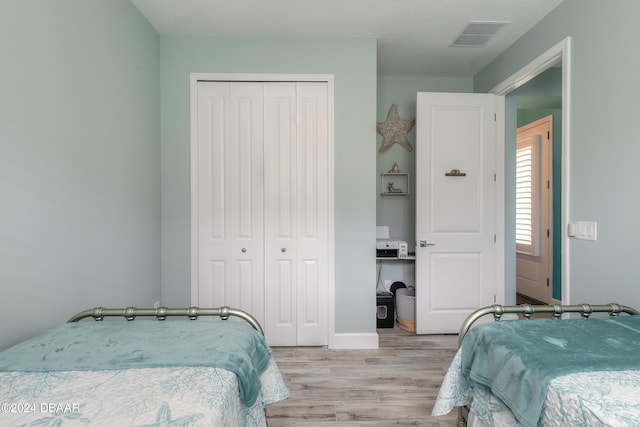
(394, 129)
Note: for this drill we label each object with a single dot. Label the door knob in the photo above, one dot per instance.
(244, 250)
(283, 250)
(425, 243)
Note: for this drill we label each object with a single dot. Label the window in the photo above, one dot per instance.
(528, 196)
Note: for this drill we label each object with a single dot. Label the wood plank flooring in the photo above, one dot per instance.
(395, 385)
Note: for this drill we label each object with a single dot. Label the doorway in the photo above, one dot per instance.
(534, 211)
(556, 57)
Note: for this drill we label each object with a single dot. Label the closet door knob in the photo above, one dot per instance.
(244, 250)
(283, 250)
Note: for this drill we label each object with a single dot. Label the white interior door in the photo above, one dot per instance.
(296, 213)
(230, 196)
(455, 208)
(534, 210)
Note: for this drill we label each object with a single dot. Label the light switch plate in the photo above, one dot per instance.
(583, 230)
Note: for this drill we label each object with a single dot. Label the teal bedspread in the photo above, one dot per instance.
(91, 346)
(517, 360)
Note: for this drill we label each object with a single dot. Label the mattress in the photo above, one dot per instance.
(602, 398)
(187, 373)
(193, 396)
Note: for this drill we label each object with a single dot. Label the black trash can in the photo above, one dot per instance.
(385, 314)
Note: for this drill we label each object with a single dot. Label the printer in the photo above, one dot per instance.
(390, 248)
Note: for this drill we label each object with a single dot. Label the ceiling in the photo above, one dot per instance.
(414, 37)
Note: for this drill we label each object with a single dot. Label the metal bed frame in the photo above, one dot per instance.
(527, 311)
(161, 313)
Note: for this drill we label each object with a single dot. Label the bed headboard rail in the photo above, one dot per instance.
(528, 310)
(161, 313)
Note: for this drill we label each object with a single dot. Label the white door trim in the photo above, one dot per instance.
(499, 290)
(560, 52)
(244, 77)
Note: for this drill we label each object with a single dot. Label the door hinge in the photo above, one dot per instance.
(495, 239)
(547, 233)
(548, 184)
(495, 117)
(494, 177)
(547, 282)
(548, 135)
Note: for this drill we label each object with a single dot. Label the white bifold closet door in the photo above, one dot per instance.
(262, 180)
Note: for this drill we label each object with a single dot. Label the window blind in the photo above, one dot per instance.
(528, 195)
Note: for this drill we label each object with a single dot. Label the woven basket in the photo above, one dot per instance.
(407, 325)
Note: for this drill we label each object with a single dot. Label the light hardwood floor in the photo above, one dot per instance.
(395, 385)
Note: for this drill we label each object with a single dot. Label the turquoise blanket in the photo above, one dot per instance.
(517, 360)
(114, 345)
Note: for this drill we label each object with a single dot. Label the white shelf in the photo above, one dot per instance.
(392, 258)
(399, 182)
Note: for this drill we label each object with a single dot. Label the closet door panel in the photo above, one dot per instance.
(229, 186)
(280, 328)
(280, 213)
(245, 193)
(213, 227)
(313, 215)
(208, 295)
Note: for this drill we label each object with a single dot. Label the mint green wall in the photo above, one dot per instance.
(604, 148)
(79, 161)
(399, 212)
(353, 64)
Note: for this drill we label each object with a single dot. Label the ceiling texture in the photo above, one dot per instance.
(414, 37)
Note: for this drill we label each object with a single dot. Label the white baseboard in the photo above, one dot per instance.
(354, 341)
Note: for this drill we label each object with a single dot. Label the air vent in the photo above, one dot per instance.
(477, 34)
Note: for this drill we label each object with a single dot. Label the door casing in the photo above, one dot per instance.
(559, 53)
